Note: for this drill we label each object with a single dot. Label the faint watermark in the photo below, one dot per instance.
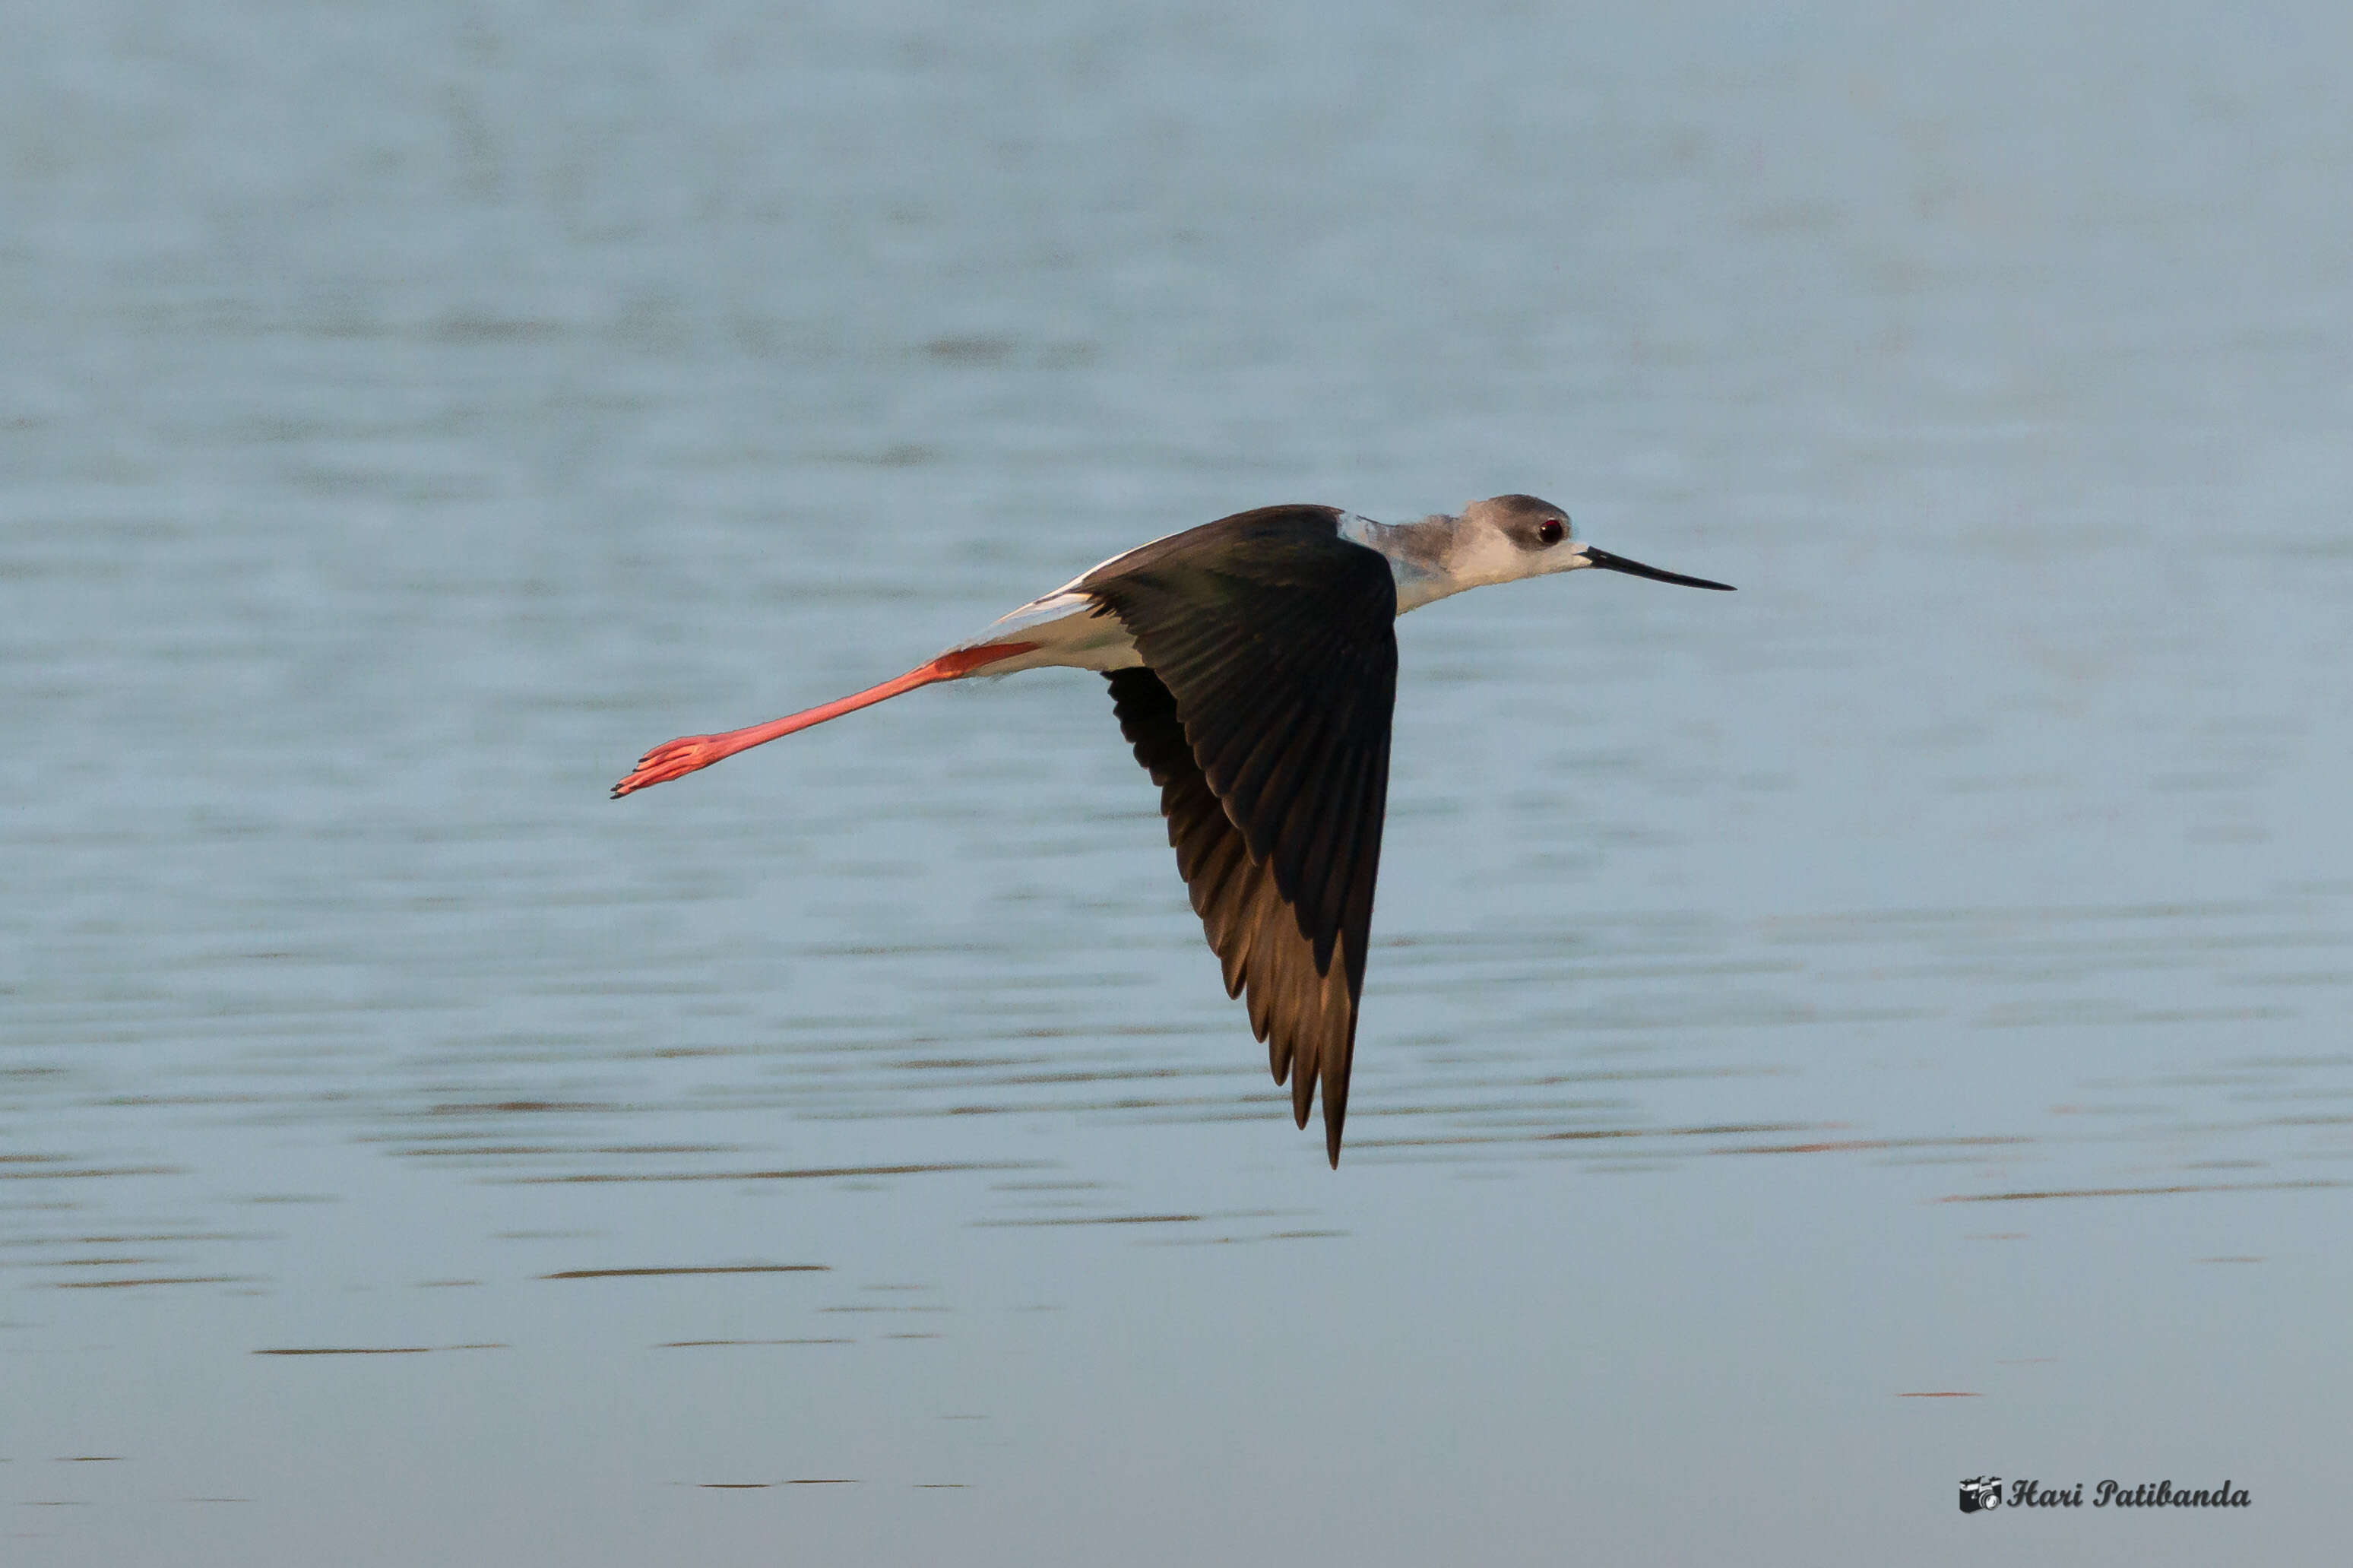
(1982, 1494)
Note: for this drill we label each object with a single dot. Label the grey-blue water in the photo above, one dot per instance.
(1925, 973)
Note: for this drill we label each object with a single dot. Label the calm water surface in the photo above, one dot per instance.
(1922, 973)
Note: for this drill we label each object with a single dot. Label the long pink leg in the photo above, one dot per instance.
(687, 752)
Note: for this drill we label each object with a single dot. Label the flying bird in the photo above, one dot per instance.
(1253, 664)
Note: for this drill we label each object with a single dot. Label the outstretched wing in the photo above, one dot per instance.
(1263, 712)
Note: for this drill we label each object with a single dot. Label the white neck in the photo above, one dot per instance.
(1432, 559)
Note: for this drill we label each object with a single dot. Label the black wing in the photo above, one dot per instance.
(1262, 713)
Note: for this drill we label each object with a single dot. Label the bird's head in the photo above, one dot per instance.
(1506, 538)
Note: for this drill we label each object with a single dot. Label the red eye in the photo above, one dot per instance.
(1551, 531)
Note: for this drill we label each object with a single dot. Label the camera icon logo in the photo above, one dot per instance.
(1979, 1493)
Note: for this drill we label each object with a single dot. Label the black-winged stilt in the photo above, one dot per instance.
(1253, 664)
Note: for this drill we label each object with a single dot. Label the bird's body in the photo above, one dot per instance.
(1253, 664)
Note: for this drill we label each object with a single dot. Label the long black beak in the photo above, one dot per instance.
(1609, 563)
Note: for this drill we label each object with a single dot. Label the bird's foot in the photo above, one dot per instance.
(673, 758)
